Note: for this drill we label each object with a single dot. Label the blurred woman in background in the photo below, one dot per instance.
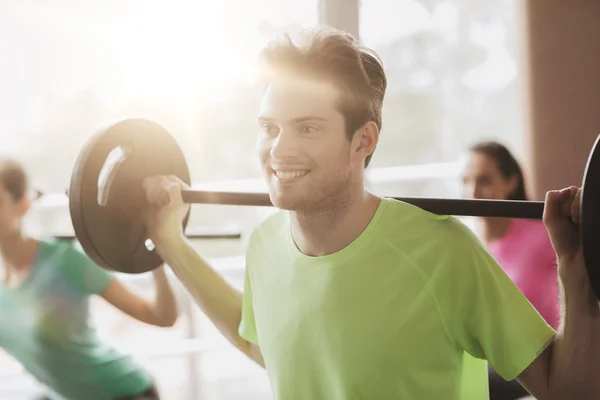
(44, 308)
(521, 246)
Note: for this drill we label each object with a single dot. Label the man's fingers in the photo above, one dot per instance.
(565, 205)
(562, 204)
(146, 186)
(568, 202)
(553, 204)
(156, 192)
(163, 190)
(164, 193)
(576, 206)
(173, 190)
(149, 185)
(179, 181)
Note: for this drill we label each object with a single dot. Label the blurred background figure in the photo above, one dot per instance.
(521, 246)
(44, 308)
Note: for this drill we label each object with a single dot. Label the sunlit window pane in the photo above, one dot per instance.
(452, 79)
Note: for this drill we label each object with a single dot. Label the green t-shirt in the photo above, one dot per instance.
(411, 309)
(46, 327)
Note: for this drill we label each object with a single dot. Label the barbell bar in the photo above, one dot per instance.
(457, 207)
(193, 236)
(107, 202)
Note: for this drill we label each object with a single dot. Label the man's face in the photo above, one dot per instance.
(303, 148)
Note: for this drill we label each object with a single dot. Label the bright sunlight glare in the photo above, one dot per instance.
(180, 52)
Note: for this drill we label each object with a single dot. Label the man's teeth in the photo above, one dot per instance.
(289, 175)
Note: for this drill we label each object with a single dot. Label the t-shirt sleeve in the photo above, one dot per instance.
(247, 329)
(486, 313)
(81, 272)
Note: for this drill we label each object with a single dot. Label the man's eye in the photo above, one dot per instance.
(270, 129)
(308, 129)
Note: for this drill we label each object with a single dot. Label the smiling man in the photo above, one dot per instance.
(352, 296)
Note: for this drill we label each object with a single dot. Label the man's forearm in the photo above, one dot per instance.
(218, 299)
(575, 362)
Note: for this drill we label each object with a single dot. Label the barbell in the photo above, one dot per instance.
(192, 236)
(107, 202)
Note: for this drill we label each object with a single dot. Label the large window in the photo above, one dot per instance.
(452, 80)
(71, 67)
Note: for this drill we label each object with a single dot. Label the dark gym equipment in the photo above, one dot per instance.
(107, 202)
(197, 236)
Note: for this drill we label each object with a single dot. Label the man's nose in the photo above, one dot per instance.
(284, 146)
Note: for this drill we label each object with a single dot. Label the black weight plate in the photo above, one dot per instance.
(113, 234)
(590, 217)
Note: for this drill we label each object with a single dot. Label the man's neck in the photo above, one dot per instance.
(330, 229)
(492, 229)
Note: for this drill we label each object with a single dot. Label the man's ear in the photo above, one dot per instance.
(366, 139)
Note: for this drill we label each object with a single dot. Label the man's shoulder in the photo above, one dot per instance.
(430, 241)
(404, 217)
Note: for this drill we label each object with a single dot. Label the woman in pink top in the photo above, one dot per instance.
(521, 247)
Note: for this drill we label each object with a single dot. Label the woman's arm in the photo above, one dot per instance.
(160, 312)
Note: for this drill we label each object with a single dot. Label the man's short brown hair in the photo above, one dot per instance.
(337, 57)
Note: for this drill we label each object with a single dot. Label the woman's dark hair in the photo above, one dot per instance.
(13, 178)
(506, 163)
